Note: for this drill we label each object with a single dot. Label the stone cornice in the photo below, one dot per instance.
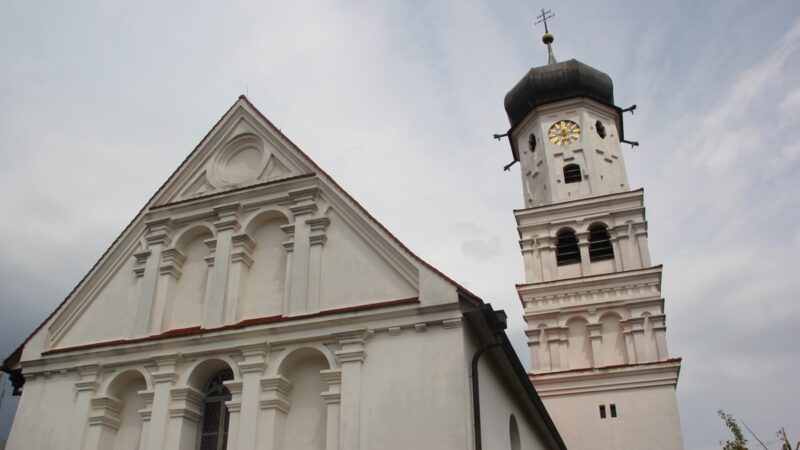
(403, 315)
(637, 277)
(629, 376)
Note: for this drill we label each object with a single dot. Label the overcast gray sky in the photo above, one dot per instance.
(101, 100)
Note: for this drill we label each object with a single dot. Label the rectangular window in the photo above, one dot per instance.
(602, 411)
(613, 410)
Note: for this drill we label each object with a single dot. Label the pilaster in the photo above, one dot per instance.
(332, 397)
(583, 246)
(317, 239)
(157, 236)
(84, 390)
(251, 367)
(164, 373)
(538, 363)
(234, 405)
(274, 403)
(104, 421)
(169, 273)
(227, 224)
(241, 261)
(303, 208)
(351, 358)
(660, 335)
(596, 339)
(185, 414)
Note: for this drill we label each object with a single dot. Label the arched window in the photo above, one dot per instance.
(513, 432)
(600, 243)
(567, 251)
(572, 173)
(214, 431)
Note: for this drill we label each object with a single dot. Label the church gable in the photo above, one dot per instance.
(247, 230)
(242, 150)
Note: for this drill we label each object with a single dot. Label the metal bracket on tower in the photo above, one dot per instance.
(499, 136)
(507, 167)
(632, 143)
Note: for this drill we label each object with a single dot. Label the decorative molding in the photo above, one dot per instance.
(255, 358)
(288, 230)
(304, 200)
(228, 217)
(452, 323)
(242, 251)
(171, 263)
(159, 231)
(141, 259)
(276, 392)
(235, 388)
(318, 227)
(211, 243)
(106, 412)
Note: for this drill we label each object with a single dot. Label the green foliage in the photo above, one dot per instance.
(738, 442)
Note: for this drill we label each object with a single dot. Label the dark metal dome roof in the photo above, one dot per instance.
(554, 82)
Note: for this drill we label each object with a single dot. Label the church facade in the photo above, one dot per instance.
(253, 304)
(592, 299)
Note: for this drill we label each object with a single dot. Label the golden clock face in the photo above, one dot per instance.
(564, 132)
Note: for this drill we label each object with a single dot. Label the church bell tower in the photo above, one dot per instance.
(592, 298)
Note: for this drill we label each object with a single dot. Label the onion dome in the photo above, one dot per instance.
(555, 82)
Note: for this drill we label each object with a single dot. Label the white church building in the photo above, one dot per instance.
(253, 304)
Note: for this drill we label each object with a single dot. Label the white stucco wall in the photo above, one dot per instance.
(45, 418)
(498, 402)
(646, 418)
(414, 390)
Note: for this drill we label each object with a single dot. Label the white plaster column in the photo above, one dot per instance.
(169, 273)
(241, 261)
(547, 251)
(614, 238)
(84, 390)
(624, 240)
(288, 245)
(227, 224)
(274, 404)
(332, 398)
(252, 367)
(641, 240)
(583, 247)
(563, 348)
(639, 344)
(185, 414)
(317, 239)
(535, 345)
(234, 406)
(660, 334)
(146, 414)
(531, 257)
(553, 337)
(351, 358)
(158, 236)
(104, 421)
(596, 339)
(303, 208)
(164, 375)
(630, 345)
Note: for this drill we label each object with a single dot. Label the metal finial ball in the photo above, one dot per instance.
(548, 38)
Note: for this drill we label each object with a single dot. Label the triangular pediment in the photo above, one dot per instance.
(242, 150)
(247, 170)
